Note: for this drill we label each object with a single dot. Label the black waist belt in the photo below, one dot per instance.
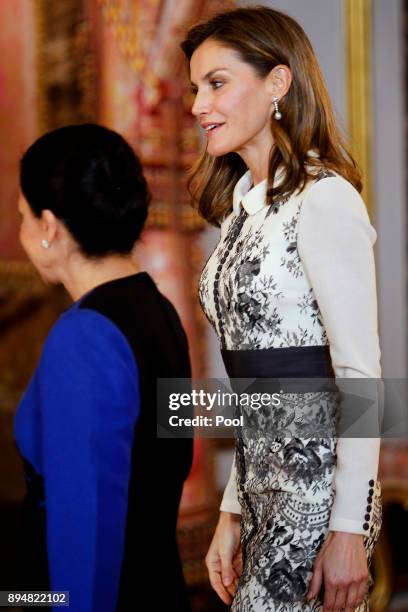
(298, 363)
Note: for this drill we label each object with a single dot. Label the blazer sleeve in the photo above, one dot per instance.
(89, 394)
(335, 244)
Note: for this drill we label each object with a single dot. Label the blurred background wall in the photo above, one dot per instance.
(116, 62)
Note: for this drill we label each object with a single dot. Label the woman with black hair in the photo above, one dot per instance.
(86, 426)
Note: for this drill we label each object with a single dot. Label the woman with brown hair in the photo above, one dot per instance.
(290, 291)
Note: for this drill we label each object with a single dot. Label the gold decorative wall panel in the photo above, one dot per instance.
(358, 22)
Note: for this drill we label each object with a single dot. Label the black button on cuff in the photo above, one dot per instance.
(369, 499)
(366, 526)
(371, 492)
(369, 508)
(367, 517)
(371, 483)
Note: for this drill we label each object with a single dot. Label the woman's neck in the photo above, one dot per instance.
(256, 156)
(83, 274)
(257, 174)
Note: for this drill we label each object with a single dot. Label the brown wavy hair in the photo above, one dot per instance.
(265, 38)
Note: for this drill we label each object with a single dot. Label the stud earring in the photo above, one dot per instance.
(277, 114)
(45, 244)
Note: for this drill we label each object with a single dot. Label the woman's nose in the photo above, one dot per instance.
(202, 104)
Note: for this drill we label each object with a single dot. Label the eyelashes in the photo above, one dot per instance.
(214, 84)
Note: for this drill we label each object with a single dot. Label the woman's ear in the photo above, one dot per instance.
(49, 225)
(279, 81)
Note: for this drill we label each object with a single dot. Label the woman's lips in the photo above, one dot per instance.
(213, 130)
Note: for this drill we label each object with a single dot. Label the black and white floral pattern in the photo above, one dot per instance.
(256, 294)
(264, 297)
(286, 493)
(291, 259)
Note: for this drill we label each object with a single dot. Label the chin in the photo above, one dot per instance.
(218, 150)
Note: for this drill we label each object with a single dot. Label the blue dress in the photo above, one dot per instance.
(85, 430)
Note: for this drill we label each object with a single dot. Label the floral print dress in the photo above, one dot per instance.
(258, 291)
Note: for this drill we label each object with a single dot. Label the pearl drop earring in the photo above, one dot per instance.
(45, 244)
(277, 114)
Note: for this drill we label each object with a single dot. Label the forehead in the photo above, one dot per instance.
(212, 55)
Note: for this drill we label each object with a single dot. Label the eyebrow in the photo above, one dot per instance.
(209, 75)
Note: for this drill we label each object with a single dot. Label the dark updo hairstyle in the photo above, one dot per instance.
(92, 180)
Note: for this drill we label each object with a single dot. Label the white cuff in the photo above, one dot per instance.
(230, 501)
(338, 524)
(228, 505)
